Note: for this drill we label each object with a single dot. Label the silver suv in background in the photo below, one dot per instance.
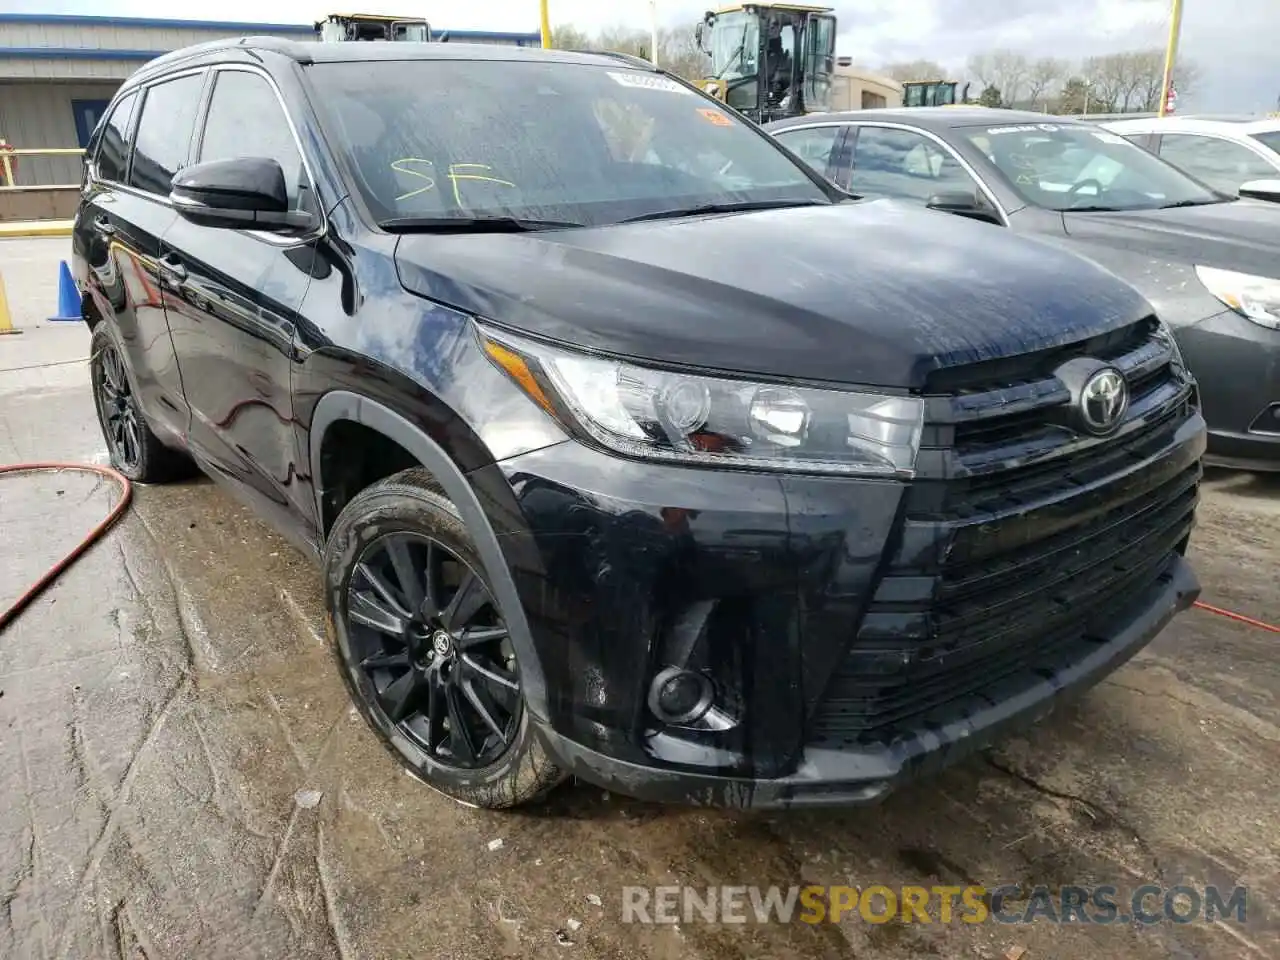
(1222, 151)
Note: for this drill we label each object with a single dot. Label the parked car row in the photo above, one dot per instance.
(632, 447)
(1208, 262)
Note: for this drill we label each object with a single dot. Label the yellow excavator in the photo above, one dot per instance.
(345, 27)
(934, 93)
(769, 60)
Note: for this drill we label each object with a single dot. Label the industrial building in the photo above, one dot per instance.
(58, 72)
(854, 88)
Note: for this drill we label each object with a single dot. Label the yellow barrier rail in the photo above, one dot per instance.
(9, 154)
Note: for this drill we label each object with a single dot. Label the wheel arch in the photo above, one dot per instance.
(338, 405)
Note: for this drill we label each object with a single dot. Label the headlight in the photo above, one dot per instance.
(659, 414)
(1258, 298)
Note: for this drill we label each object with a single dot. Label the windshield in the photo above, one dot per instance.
(544, 141)
(735, 38)
(1075, 167)
(1269, 139)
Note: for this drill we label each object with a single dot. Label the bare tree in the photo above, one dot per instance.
(1106, 77)
(1045, 74)
(677, 50)
(568, 37)
(981, 70)
(914, 70)
(1009, 72)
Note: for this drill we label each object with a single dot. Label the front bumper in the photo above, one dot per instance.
(826, 777)
(1237, 364)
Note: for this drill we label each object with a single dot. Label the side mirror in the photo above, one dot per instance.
(964, 204)
(248, 193)
(698, 35)
(1261, 190)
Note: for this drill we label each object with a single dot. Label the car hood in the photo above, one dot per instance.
(874, 293)
(1239, 235)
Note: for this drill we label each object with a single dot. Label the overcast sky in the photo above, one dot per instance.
(1232, 41)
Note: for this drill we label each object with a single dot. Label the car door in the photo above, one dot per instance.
(909, 165)
(124, 214)
(232, 302)
(819, 146)
(1220, 163)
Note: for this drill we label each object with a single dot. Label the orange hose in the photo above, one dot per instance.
(1232, 615)
(126, 494)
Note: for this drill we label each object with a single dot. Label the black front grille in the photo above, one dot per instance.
(1021, 540)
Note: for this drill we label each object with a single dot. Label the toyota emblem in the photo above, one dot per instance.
(1103, 400)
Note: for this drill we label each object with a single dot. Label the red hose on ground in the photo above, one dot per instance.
(126, 494)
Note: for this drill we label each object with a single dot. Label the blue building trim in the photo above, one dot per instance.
(77, 53)
(78, 20)
(524, 39)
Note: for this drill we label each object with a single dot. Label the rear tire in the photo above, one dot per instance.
(134, 448)
(423, 646)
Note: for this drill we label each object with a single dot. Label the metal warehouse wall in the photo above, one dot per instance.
(107, 35)
(39, 115)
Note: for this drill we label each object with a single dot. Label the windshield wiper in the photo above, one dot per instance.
(739, 207)
(1189, 203)
(470, 225)
(1093, 208)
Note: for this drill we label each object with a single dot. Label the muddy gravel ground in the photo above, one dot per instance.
(181, 775)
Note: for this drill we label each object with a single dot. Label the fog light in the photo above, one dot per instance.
(679, 696)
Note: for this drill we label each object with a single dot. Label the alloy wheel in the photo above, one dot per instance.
(431, 651)
(119, 410)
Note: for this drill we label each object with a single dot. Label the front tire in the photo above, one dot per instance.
(424, 648)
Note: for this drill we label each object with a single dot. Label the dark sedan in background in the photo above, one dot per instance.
(1209, 263)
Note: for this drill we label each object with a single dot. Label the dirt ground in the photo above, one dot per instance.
(181, 775)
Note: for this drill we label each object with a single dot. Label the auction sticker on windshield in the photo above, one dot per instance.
(647, 81)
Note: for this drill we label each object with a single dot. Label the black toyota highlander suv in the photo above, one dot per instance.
(616, 461)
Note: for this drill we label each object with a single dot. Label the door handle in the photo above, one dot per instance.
(103, 226)
(173, 267)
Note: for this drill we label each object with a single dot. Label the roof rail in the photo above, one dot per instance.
(628, 58)
(289, 48)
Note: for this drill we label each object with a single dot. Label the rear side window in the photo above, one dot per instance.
(245, 119)
(113, 143)
(164, 133)
(813, 145)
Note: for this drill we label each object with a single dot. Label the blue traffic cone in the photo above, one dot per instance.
(68, 296)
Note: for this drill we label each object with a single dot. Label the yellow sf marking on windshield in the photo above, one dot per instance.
(431, 181)
(454, 176)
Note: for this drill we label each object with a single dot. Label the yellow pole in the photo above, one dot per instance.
(6, 322)
(1170, 56)
(546, 24)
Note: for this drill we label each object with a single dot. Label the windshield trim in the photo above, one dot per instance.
(339, 151)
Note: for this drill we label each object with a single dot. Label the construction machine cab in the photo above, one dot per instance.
(345, 27)
(770, 60)
(934, 93)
